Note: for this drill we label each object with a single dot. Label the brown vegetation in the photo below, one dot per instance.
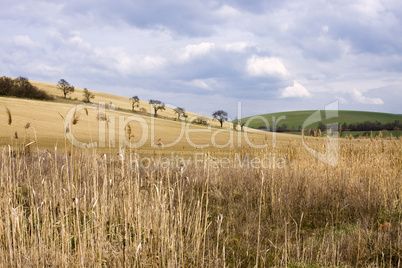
(81, 209)
(21, 87)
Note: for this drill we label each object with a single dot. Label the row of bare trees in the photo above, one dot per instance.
(157, 105)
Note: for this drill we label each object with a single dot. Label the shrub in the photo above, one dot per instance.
(21, 88)
(201, 121)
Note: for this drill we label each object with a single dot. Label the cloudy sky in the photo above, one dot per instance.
(207, 55)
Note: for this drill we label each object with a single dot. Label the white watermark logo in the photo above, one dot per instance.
(112, 131)
(204, 160)
(331, 154)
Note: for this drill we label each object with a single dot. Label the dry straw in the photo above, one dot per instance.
(101, 116)
(10, 119)
(75, 118)
(61, 115)
(128, 130)
(77, 209)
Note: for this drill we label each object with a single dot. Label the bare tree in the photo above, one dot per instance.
(87, 96)
(65, 87)
(180, 111)
(135, 102)
(235, 123)
(221, 116)
(158, 105)
(242, 124)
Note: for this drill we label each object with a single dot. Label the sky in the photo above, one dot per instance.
(203, 55)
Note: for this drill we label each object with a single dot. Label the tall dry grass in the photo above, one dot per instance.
(89, 210)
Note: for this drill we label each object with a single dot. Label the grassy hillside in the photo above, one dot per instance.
(295, 119)
(47, 125)
(120, 102)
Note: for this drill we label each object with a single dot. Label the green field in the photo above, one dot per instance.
(295, 119)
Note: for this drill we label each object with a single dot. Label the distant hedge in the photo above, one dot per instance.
(21, 88)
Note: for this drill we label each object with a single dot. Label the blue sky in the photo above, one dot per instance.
(207, 55)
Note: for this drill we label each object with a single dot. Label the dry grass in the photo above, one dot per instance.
(10, 119)
(48, 121)
(186, 206)
(86, 209)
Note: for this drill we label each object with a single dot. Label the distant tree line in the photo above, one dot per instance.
(21, 88)
(282, 128)
(375, 126)
(365, 126)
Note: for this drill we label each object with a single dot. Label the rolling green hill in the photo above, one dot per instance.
(295, 119)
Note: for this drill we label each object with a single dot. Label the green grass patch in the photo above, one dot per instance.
(295, 119)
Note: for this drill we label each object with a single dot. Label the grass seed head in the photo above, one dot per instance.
(75, 118)
(61, 115)
(101, 117)
(10, 119)
(385, 227)
(128, 130)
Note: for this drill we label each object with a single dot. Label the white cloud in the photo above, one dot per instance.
(342, 100)
(77, 41)
(265, 66)
(206, 84)
(295, 91)
(192, 51)
(370, 8)
(24, 41)
(227, 11)
(358, 96)
(153, 62)
(239, 47)
(203, 83)
(127, 63)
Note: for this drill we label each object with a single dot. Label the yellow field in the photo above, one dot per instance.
(48, 129)
(118, 101)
